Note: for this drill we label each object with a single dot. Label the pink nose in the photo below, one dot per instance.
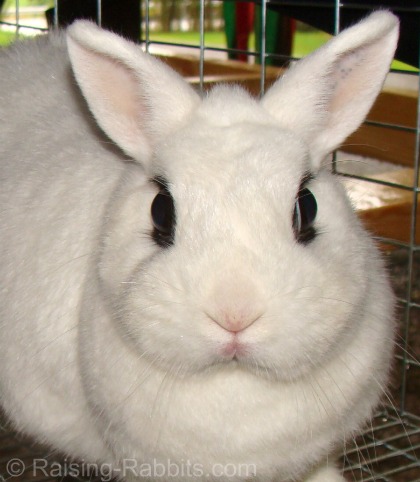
(235, 304)
(236, 321)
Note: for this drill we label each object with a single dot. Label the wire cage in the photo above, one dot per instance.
(379, 165)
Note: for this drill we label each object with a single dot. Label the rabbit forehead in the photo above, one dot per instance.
(235, 140)
(246, 161)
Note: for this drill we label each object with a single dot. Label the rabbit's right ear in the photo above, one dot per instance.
(326, 96)
(135, 98)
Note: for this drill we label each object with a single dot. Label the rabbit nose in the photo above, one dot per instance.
(235, 306)
(235, 320)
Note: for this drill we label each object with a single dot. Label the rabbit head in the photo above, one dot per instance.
(232, 273)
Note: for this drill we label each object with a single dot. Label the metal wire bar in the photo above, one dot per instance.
(56, 13)
(336, 32)
(263, 44)
(375, 443)
(22, 25)
(332, 3)
(147, 19)
(337, 17)
(381, 182)
(410, 270)
(380, 453)
(201, 59)
(208, 48)
(99, 12)
(409, 361)
(17, 18)
(391, 126)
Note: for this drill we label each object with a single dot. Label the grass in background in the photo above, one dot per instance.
(6, 37)
(303, 44)
(306, 42)
(29, 3)
(212, 39)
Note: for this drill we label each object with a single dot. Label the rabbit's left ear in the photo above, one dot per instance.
(135, 98)
(327, 95)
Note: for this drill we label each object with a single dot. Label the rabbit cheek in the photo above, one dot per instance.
(300, 330)
(162, 326)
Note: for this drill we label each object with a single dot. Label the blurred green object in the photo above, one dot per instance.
(230, 30)
(322, 16)
(239, 19)
(279, 31)
(6, 38)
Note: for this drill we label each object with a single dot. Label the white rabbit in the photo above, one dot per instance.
(194, 291)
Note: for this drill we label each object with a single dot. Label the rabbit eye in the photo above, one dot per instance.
(163, 217)
(304, 216)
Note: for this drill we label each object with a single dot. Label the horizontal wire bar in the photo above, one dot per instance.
(20, 25)
(396, 127)
(389, 472)
(396, 452)
(379, 443)
(368, 470)
(368, 462)
(407, 418)
(408, 361)
(343, 6)
(393, 242)
(197, 47)
(380, 182)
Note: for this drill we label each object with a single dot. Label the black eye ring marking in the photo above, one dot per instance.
(304, 213)
(163, 215)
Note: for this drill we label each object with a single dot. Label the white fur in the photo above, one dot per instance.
(114, 348)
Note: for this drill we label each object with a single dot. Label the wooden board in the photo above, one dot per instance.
(218, 71)
(397, 108)
(386, 210)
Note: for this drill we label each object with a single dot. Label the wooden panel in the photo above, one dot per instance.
(395, 107)
(389, 144)
(386, 211)
(222, 71)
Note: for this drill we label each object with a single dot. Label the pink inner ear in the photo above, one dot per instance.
(119, 87)
(349, 79)
(358, 76)
(346, 65)
(135, 98)
(113, 93)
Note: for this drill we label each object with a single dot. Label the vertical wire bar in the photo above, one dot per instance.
(56, 14)
(202, 46)
(411, 254)
(99, 12)
(337, 12)
(17, 19)
(263, 45)
(337, 17)
(147, 20)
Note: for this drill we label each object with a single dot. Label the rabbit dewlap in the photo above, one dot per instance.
(183, 281)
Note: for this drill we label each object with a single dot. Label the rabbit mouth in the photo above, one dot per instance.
(244, 355)
(234, 349)
(240, 354)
